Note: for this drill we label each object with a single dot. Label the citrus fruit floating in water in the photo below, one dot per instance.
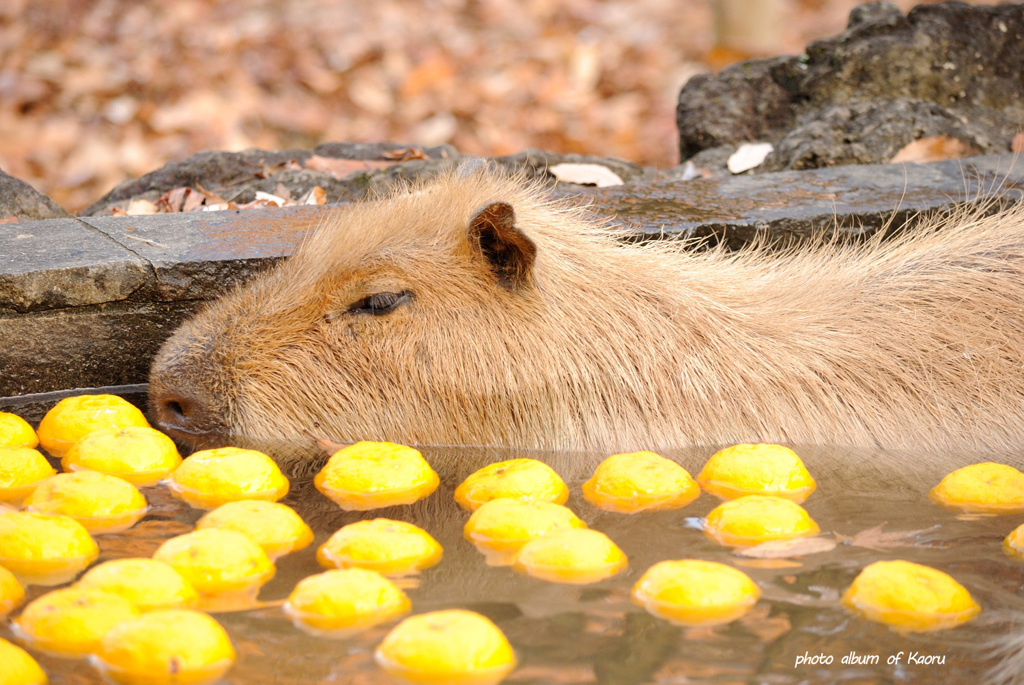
(987, 487)
(16, 431)
(753, 519)
(757, 469)
(576, 556)
(73, 418)
(695, 592)
(12, 593)
(147, 583)
(165, 647)
(640, 481)
(273, 526)
(101, 503)
(339, 602)
(371, 475)
(500, 527)
(21, 470)
(71, 621)
(523, 479)
(218, 562)
(210, 478)
(453, 647)
(17, 667)
(909, 597)
(44, 549)
(141, 455)
(390, 547)
(1013, 544)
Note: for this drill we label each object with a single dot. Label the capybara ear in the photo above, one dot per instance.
(506, 249)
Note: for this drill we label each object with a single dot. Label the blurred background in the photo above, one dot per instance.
(93, 92)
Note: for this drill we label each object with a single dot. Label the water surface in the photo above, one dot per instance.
(595, 634)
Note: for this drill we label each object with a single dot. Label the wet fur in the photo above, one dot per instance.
(908, 344)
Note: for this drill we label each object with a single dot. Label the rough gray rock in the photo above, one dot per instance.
(23, 202)
(889, 79)
(238, 176)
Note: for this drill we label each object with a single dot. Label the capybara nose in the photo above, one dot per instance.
(182, 415)
(181, 408)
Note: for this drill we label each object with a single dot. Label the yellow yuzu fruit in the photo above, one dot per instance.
(210, 478)
(165, 647)
(909, 597)
(340, 601)
(101, 503)
(453, 647)
(384, 545)
(1013, 544)
(141, 455)
(371, 475)
(275, 527)
(578, 556)
(149, 584)
(523, 479)
(17, 667)
(752, 519)
(500, 527)
(695, 592)
(16, 431)
(757, 469)
(21, 470)
(640, 481)
(987, 487)
(73, 418)
(44, 549)
(12, 594)
(216, 561)
(71, 621)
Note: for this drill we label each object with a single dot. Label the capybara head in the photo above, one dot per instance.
(408, 318)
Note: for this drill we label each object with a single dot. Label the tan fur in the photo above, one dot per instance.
(915, 343)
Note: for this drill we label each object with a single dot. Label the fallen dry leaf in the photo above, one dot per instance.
(141, 207)
(874, 538)
(315, 196)
(269, 199)
(768, 563)
(585, 174)
(780, 549)
(405, 154)
(174, 200)
(194, 201)
(1017, 144)
(749, 156)
(933, 149)
(340, 168)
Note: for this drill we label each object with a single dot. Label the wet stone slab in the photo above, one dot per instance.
(200, 255)
(60, 263)
(797, 205)
(87, 302)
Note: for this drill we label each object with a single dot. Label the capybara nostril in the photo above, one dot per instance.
(175, 411)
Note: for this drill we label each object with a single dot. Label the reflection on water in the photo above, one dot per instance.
(595, 634)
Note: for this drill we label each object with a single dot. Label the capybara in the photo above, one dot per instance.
(475, 310)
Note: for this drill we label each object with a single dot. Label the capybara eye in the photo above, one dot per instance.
(380, 303)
